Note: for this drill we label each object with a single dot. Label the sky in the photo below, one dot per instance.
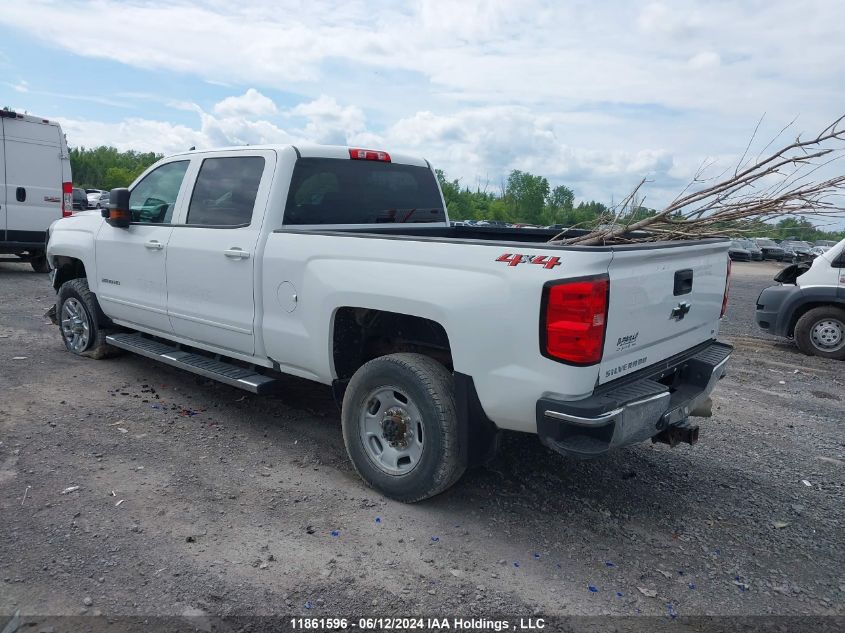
(592, 95)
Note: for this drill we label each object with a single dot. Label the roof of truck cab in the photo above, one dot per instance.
(310, 150)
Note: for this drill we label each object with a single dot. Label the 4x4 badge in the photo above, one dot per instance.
(541, 260)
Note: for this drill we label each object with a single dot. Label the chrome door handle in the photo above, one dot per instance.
(236, 253)
(154, 245)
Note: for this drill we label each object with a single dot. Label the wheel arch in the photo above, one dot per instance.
(361, 334)
(809, 304)
(67, 268)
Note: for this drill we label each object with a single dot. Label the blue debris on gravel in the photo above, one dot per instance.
(335, 533)
(592, 589)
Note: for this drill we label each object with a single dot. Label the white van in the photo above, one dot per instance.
(35, 184)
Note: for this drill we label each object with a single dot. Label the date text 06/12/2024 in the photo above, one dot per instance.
(418, 624)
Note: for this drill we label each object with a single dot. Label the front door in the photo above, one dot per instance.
(211, 257)
(131, 262)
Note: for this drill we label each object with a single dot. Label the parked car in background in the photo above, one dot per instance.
(819, 250)
(80, 199)
(93, 197)
(827, 243)
(737, 253)
(769, 248)
(103, 202)
(796, 250)
(809, 305)
(36, 187)
(751, 247)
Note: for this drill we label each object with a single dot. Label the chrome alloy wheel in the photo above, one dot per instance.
(76, 328)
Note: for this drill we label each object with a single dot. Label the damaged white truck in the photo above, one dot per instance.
(339, 265)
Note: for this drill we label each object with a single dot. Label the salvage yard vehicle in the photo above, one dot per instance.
(770, 249)
(340, 265)
(809, 304)
(35, 184)
(738, 253)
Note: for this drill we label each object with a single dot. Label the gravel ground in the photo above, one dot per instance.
(190, 497)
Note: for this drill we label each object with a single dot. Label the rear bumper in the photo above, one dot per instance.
(635, 408)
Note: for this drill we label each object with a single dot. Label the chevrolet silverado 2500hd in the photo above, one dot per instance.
(339, 265)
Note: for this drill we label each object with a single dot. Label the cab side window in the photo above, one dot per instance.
(225, 191)
(153, 199)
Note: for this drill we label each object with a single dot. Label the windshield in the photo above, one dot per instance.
(769, 243)
(343, 191)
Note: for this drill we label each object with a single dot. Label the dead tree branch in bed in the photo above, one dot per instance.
(782, 183)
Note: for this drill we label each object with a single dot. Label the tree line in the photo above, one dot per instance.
(524, 198)
(107, 168)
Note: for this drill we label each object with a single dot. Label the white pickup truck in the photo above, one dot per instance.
(339, 265)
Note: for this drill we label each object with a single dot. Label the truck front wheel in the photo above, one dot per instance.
(821, 332)
(80, 321)
(400, 426)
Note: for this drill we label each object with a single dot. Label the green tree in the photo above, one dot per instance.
(101, 167)
(525, 196)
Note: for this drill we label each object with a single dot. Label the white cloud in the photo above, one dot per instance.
(251, 103)
(329, 122)
(594, 93)
(704, 60)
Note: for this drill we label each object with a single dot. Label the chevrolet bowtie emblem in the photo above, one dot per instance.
(680, 311)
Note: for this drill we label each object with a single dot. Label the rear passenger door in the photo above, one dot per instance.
(211, 259)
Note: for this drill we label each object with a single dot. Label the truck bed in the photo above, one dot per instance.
(485, 234)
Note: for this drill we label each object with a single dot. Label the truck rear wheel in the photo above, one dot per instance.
(821, 332)
(400, 426)
(81, 321)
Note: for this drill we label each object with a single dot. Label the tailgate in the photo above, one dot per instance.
(664, 299)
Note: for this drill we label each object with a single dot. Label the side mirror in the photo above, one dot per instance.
(117, 214)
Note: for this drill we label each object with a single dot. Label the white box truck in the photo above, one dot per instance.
(35, 184)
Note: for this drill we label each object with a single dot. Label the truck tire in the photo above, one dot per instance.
(400, 426)
(81, 321)
(821, 332)
(39, 263)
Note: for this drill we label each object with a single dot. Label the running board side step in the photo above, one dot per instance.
(172, 355)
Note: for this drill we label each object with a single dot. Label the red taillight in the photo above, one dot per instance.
(574, 320)
(369, 154)
(727, 291)
(67, 199)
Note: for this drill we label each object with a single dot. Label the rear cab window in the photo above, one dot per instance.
(343, 191)
(225, 191)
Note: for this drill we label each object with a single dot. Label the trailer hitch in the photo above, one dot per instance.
(674, 435)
